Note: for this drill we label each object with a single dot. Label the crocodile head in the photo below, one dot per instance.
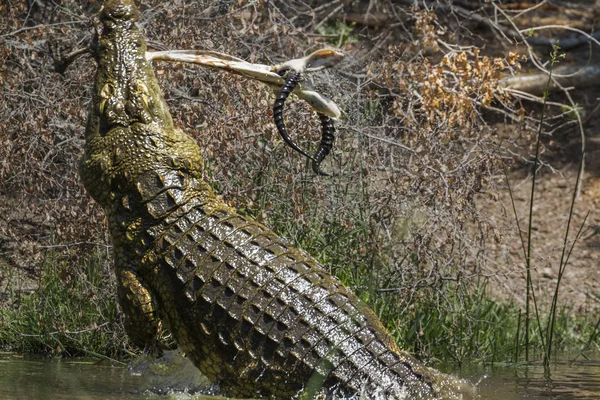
(129, 129)
(125, 91)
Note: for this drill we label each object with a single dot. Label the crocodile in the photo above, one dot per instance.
(255, 314)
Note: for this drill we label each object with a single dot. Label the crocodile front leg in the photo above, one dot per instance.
(138, 305)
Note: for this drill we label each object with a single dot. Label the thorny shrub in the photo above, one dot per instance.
(434, 94)
(445, 94)
(411, 153)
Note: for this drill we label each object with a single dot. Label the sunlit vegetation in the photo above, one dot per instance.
(428, 129)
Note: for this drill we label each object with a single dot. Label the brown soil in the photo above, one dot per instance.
(580, 284)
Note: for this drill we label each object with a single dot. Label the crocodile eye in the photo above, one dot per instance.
(119, 108)
(105, 94)
(141, 90)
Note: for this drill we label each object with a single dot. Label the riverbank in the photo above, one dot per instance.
(416, 217)
(74, 312)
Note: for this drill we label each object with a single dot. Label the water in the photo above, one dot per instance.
(33, 378)
(23, 378)
(566, 380)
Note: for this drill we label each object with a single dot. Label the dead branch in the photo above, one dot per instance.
(511, 33)
(557, 82)
(565, 43)
(566, 76)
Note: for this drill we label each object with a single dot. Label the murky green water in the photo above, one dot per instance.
(565, 380)
(23, 378)
(32, 378)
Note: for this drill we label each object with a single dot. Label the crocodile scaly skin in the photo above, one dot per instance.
(252, 312)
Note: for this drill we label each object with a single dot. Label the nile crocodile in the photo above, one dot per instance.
(252, 312)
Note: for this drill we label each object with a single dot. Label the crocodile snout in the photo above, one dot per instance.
(118, 12)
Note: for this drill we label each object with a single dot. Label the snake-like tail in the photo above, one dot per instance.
(283, 94)
(327, 138)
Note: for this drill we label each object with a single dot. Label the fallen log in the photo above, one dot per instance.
(576, 76)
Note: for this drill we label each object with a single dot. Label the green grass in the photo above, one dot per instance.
(338, 33)
(547, 326)
(72, 313)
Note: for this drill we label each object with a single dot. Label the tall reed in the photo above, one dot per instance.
(546, 335)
